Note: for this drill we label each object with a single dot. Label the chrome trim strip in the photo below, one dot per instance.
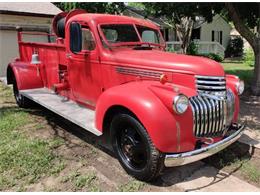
(172, 160)
(210, 82)
(209, 77)
(211, 87)
(139, 72)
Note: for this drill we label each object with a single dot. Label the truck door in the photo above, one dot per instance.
(84, 67)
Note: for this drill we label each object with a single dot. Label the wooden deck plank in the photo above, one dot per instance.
(68, 109)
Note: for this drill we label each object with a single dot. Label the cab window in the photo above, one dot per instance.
(88, 41)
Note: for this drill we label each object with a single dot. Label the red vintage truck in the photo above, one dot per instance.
(112, 73)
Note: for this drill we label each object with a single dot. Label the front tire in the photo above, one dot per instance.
(135, 149)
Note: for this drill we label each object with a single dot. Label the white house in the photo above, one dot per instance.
(210, 37)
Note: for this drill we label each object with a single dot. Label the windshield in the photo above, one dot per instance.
(116, 33)
(148, 34)
(126, 33)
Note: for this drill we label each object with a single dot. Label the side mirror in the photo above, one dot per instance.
(75, 37)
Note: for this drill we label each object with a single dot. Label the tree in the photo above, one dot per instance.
(93, 7)
(182, 16)
(246, 17)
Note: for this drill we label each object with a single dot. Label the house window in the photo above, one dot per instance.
(217, 36)
(195, 34)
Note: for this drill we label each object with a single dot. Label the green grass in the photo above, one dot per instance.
(132, 186)
(23, 160)
(80, 181)
(239, 68)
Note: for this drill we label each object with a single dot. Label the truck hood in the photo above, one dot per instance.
(166, 61)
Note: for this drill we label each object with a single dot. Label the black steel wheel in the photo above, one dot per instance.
(134, 148)
(21, 101)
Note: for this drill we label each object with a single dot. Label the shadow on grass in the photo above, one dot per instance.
(245, 75)
(169, 177)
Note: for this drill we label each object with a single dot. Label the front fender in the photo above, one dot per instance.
(25, 75)
(148, 108)
(232, 81)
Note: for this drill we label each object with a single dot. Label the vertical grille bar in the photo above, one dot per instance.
(201, 118)
(205, 115)
(217, 116)
(209, 130)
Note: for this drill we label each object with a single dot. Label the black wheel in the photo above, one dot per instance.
(134, 148)
(21, 101)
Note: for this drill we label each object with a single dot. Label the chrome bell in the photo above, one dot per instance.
(35, 59)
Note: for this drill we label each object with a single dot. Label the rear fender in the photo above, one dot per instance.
(25, 74)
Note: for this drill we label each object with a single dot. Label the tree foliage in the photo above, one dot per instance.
(182, 16)
(93, 7)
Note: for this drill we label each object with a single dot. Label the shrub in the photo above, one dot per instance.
(235, 47)
(213, 56)
(249, 57)
(170, 49)
(192, 48)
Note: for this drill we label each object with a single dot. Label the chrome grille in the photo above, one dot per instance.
(211, 85)
(208, 115)
(211, 117)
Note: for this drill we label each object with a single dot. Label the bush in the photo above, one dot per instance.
(213, 56)
(235, 47)
(192, 48)
(170, 49)
(249, 57)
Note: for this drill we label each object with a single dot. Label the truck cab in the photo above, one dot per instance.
(109, 73)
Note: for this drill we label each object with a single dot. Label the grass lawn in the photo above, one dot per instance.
(239, 68)
(24, 159)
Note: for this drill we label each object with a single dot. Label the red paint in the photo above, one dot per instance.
(103, 78)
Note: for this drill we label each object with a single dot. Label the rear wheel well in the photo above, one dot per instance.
(113, 111)
(10, 75)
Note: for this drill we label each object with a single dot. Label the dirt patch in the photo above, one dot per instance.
(239, 160)
(250, 111)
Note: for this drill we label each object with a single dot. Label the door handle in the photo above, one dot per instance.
(68, 55)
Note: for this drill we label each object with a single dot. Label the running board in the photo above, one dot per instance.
(68, 109)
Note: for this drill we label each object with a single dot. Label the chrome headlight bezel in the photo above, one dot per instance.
(180, 103)
(240, 87)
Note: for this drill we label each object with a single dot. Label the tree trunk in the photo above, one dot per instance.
(256, 79)
(253, 40)
(184, 30)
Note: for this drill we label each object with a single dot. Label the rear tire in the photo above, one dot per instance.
(21, 101)
(135, 149)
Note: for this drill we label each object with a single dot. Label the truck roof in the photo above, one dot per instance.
(112, 19)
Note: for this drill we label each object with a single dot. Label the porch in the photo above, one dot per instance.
(204, 47)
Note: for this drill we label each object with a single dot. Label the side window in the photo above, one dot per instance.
(88, 41)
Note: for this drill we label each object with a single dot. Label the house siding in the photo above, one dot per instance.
(8, 35)
(218, 24)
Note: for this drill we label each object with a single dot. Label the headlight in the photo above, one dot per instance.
(240, 87)
(180, 104)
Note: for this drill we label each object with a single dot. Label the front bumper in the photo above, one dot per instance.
(172, 160)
